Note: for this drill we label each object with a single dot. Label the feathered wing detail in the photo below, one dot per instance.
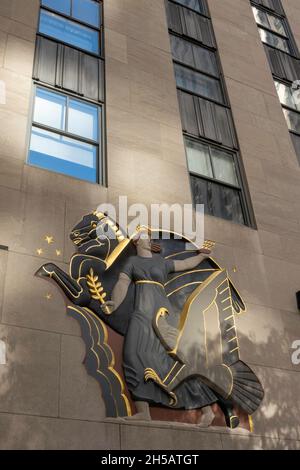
(99, 361)
(206, 302)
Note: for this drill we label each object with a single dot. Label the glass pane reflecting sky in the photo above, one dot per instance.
(69, 32)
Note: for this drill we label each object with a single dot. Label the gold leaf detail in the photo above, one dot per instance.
(95, 287)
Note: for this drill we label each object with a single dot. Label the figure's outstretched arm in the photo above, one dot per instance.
(118, 294)
(190, 263)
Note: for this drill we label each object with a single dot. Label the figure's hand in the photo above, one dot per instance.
(155, 247)
(204, 251)
(108, 307)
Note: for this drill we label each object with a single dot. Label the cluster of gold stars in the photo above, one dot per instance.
(49, 239)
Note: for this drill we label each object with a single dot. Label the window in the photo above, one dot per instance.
(275, 32)
(296, 143)
(287, 96)
(198, 83)
(196, 5)
(72, 32)
(65, 135)
(86, 11)
(272, 30)
(269, 21)
(207, 124)
(293, 120)
(212, 162)
(271, 5)
(194, 56)
(214, 180)
(274, 40)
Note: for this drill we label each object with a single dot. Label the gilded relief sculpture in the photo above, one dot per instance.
(175, 308)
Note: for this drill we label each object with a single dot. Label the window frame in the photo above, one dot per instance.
(211, 77)
(218, 75)
(288, 108)
(244, 194)
(99, 29)
(240, 188)
(289, 35)
(205, 15)
(99, 144)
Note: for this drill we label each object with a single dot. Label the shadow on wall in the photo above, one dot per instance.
(277, 417)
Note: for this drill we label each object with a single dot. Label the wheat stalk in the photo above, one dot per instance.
(95, 287)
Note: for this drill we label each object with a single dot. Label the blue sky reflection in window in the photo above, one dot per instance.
(62, 151)
(69, 32)
(87, 11)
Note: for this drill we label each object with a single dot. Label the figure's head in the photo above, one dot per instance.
(85, 230)
(143, 242)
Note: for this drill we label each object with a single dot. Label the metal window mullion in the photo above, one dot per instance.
(190, 9)
(67, 114)
(211, 162)
(71, 18)
(194, 69)
(286, 38)
(192, 41)
(64, 134)
(216, 181)
(219, 103)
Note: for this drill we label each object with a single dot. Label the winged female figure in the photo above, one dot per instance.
(175, 308)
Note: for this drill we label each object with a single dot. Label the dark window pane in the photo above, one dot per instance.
(293, 120)
(197, 5)
(70, 68)
(92, 77)
(63, 155)
(63, 6)
(174, 17)
(189, 120)
(45, 61)
(218, 200)
(197, 83)
(207, 111)
(193, 55)
(296, 142)
(68, 31)
(205, 60)
(87, 11)
(274, 40)
(224, 126)
(182, 50)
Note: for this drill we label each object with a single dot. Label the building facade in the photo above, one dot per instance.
(164, 102)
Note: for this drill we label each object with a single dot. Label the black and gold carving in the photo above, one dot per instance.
(194, 323)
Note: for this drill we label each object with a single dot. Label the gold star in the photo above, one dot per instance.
(39, 251)
(58, 252)
(48, 296)
(49, 239)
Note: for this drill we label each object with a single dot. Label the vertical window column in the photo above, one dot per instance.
(68, 108)
(210, 140)
(284, 60)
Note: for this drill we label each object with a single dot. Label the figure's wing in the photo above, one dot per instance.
(99, 362)
(181, 284)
